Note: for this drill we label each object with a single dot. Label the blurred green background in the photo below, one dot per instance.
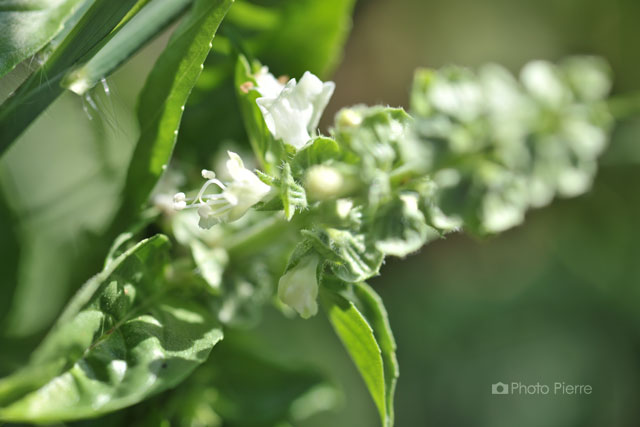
(553, 300)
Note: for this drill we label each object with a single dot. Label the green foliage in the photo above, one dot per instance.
(292, 194)
(377, 366)
(372, 308)
(261, 140)
(27, 26)
(475, 152)
(317, 28)
(124, 42)
(237, 387)
(122, 338)
(290, 36)
(164, 96)
(43, 86)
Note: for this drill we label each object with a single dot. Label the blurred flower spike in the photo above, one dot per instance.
(234, 199)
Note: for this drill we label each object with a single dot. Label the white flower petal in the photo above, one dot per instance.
(267, 84)
(294, 113)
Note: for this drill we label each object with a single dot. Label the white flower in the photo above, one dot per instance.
(292, 111)
(298, 288)
(267, 84)
(236, 197)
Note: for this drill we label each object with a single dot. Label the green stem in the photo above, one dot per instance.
(625, 106)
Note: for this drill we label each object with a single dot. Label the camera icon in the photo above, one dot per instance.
(499, 388)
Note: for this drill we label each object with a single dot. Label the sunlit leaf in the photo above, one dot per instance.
(27, 26)
(359, 340)
(142, 27)
(121, 339)
(163, 98)
(43, 86)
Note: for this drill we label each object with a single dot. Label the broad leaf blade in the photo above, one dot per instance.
(359, 340)
(293, 196)
(120, 340)
(27, 26)
(163, 98)
(146, 354)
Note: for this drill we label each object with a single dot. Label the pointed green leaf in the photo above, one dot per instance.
(163, 98)
(360, 342)
(372, 307)
(294, 198)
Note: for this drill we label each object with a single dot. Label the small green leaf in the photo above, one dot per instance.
(27, 26)
(318, 151)
(293, 196)
(163, 98)
(122, 338)
(400, 227)
(349, 256)
(360, 342)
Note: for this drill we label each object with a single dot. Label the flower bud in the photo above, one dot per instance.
(323, 182)
(348, 118)
(179, 201)
(298, 288)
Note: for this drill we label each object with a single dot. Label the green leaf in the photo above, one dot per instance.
(121, 339)
(237, 386)
(360, 342)
(55, 349)
(349, 256)
(380, 137)
(400, 227)
(318, 151)
(268, 31)
(309, 37)
(43, 86)
(372, 307)
(293, 196)
(126, 41)
(163, 98)
(28, 25)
